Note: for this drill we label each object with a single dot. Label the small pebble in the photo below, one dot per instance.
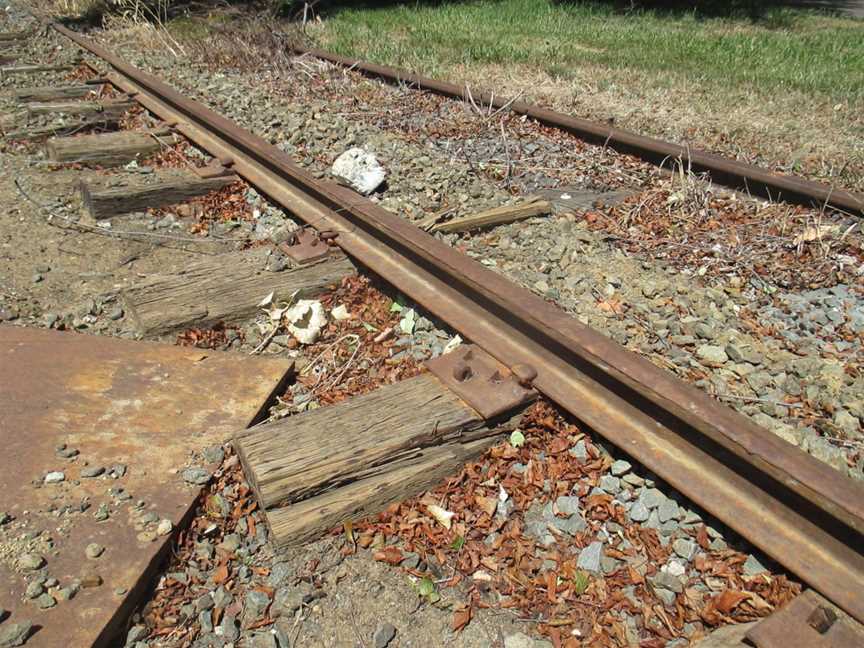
(94, 550)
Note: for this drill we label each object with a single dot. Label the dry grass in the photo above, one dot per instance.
(794, 132)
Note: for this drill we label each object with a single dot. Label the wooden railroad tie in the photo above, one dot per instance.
(226, 288)
(124, 195)
(53, 93)
(33, 69)
(318, 469)
(109, 149)
(84, 108)
(70, 126)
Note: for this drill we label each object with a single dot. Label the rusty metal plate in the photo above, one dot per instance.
(306, 247)
(145, 405)
(480, 380)
(808, 621)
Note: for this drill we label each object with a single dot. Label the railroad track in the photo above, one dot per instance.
(795, 509)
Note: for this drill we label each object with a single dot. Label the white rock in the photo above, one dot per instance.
(360, 169)
(54, 477)
(340, 313)
(305, 320)
(674, 568)
(164, 527)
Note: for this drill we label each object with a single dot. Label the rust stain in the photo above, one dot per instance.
(145, 405)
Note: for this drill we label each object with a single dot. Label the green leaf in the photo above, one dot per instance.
(426, 587)
(434, 597)
(369, 327)
(406, 324)
(397, 305)
(581, 581)
(517, 438)
(458, 543)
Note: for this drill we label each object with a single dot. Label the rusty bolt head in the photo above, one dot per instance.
(328, 235)
(821, 619)
(462, 372)
(226, 161)
(524, 373)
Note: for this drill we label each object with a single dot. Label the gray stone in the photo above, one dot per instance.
(651, 497)
(34, 589)
(639, 512)
(135, 634)
(205, 620)
(668, 510)
(620, 467)
(256, 603)
(752, 566)
(711, 354)
(15, 634)
(579, 451)
(384, 635)
(228, 628)
(54, 477)
(279, 572)
(92, 471)
(668, 597)
(214, 454)
(567, 505)
(846, 422)
(590, 556)
(667, 581)
(610, 484)
(288, 599)
(30, 561)
(196, 475)
(684, 548)
(94, 550)
(230, 542)
(221, 598)
(46, 601)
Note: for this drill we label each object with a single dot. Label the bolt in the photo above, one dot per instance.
(462, 372)
(524, 373)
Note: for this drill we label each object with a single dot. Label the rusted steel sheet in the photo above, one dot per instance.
(144, 405)
(796, 509)
(753, 179)
(807, 621)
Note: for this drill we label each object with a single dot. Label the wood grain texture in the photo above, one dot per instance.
(69, 127)
(53, 93)
(496, 216)
(224, 288)
(132, 195)
(31, 69)
(109, 149)
(84, 108)
(351, 460)
(307, 520)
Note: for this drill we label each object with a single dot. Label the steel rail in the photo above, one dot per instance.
(797, 510)
(722, 170)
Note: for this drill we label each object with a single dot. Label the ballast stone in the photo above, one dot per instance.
(360, 169)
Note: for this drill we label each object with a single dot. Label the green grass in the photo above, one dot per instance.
(784, 50)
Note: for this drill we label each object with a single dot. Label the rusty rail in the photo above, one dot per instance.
(794, 508)
(722, 170)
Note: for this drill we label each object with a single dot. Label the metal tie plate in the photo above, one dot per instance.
(481, 381)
